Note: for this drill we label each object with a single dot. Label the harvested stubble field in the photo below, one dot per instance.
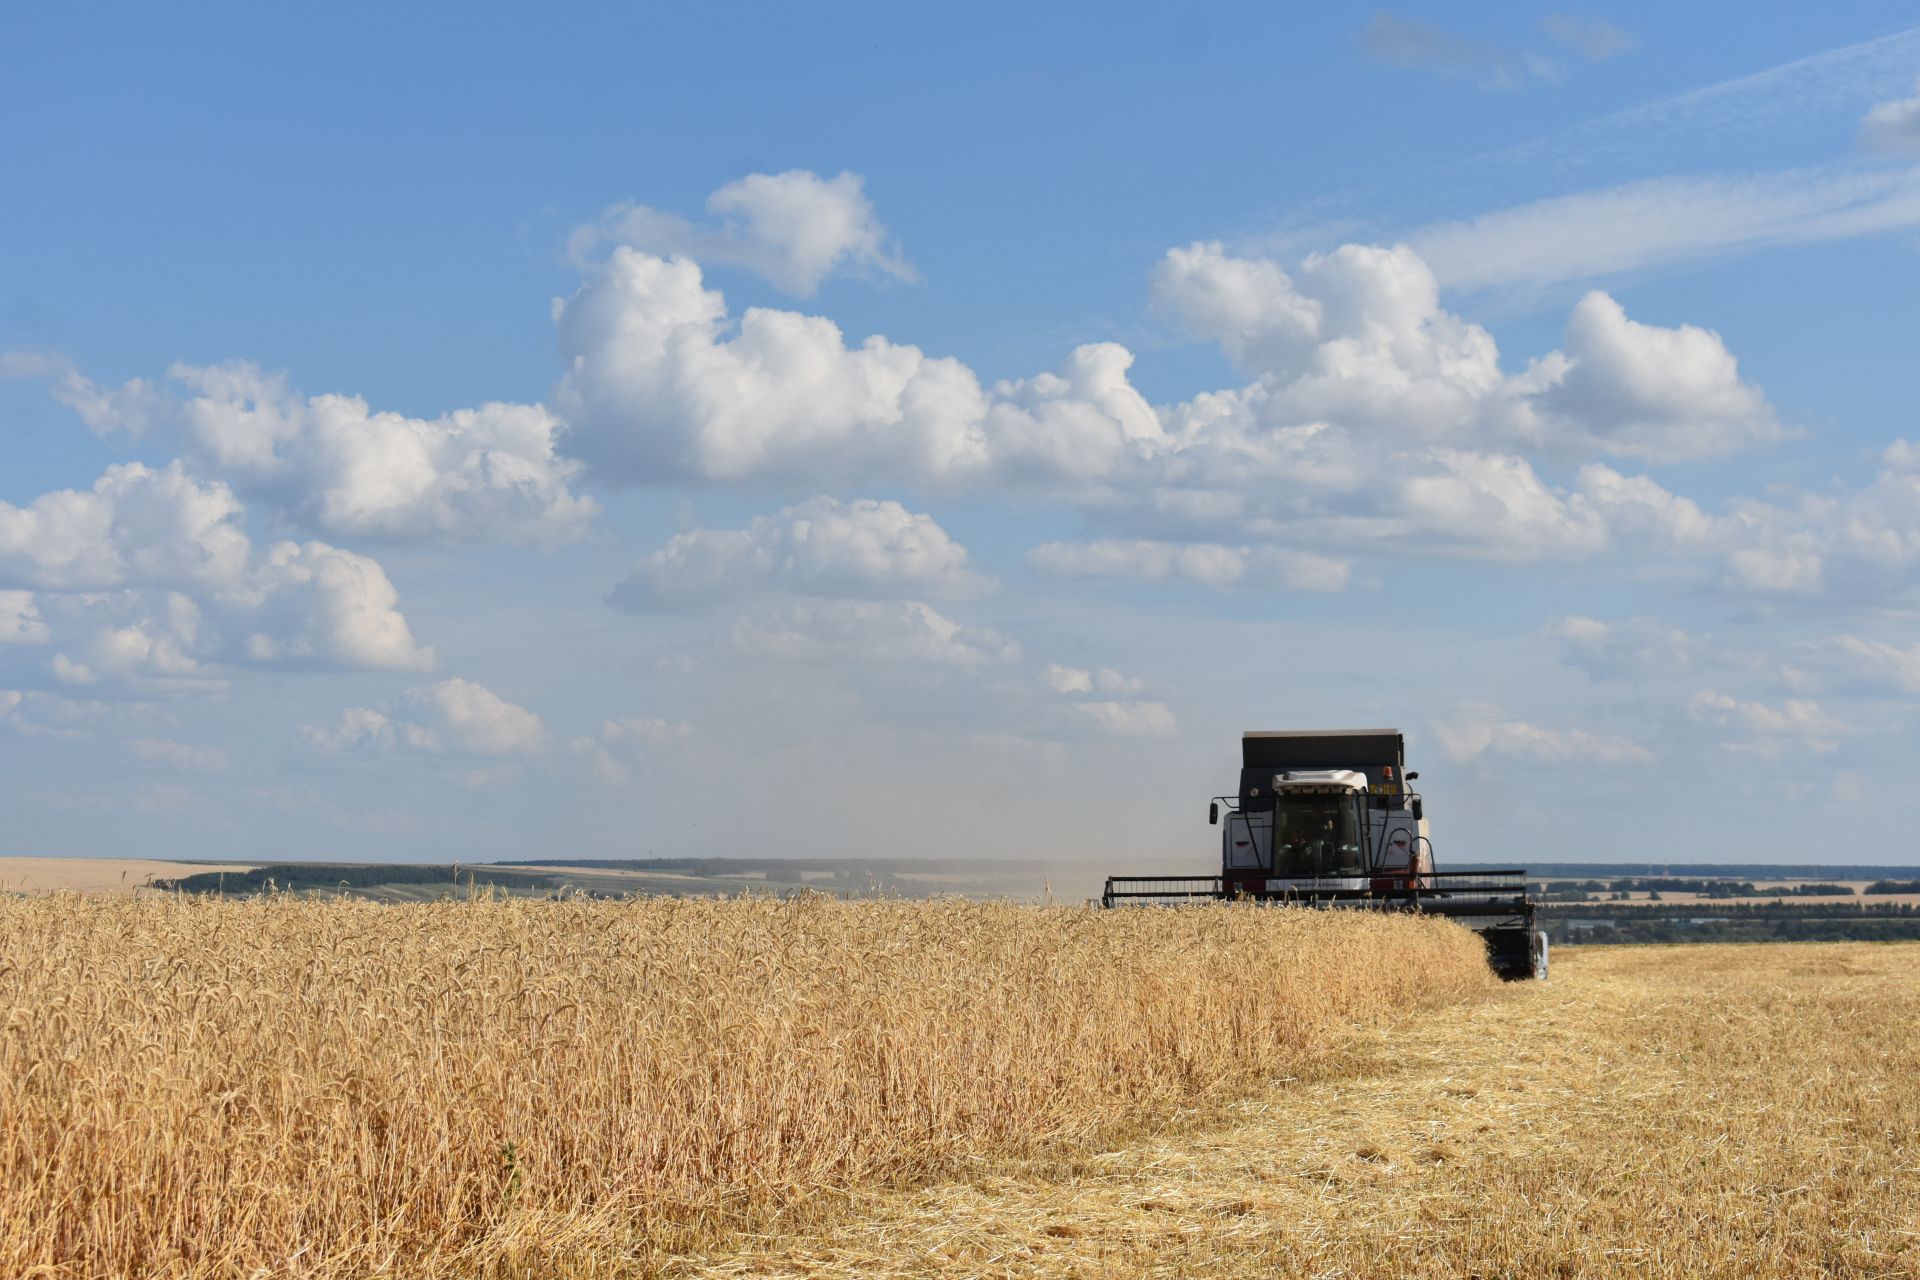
(119, 877)
(1688, 1111)
(290, 1087)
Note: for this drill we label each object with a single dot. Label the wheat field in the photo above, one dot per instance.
(295, 1087)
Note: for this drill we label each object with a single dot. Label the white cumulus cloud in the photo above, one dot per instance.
(20, 620)
(610, 755)
(333, 464)
(1130, 718)
(652, 731)
(459, 715)
(135, 526)
(151, 571)
(357, 728)
(343, 469)
(330, 606)
(1376, 422)
(822, 547)
(1873, 665)
(1632, 648)
(1839, 544)
(1484, 738)
(136, 637)
(1206, 563)
(1067, 679)
(662, 386)
(794, 228)
(1793, 718)
(1354, 336)
(454, 717)
(1649, 392)
(180, 755)
(1893, 126)
(904, 631)
(1075, 680)
(1357, 338)
(66, 671)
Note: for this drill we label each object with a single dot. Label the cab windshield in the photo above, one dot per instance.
(1316, 836)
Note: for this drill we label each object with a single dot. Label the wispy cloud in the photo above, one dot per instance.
(1751, 162)
(1837, 82)
(1682, 217)
(1496, 738)
(1664, 221)
(1590, 37)
(1421, 46)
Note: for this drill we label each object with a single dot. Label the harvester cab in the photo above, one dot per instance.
(1328, 818)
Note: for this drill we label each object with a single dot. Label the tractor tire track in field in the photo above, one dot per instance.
(1652, 1111)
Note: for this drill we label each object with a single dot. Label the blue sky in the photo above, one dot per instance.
(461, 433)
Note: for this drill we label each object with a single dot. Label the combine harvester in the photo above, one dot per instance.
(1327, 818)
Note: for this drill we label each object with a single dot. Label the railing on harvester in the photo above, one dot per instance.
(1152, 891)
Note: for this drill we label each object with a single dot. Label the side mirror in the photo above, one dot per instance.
(1413, 777)
(1213, 814)
(1418, 813)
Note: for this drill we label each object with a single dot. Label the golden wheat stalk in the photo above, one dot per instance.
(202, 1087)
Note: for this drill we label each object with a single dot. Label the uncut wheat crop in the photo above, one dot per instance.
(302, 1087)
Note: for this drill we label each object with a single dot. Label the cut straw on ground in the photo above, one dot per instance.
(1722, 1111)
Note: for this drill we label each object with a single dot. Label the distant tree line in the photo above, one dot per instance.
(1728, 888)
(295, 875)
(1894, 886)
(1786, 929)
(777, 868)
(1737, 910)
(1696, 872)
(1619, 890)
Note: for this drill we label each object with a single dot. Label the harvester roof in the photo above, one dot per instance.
(1322, 749)
(1379, 754)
